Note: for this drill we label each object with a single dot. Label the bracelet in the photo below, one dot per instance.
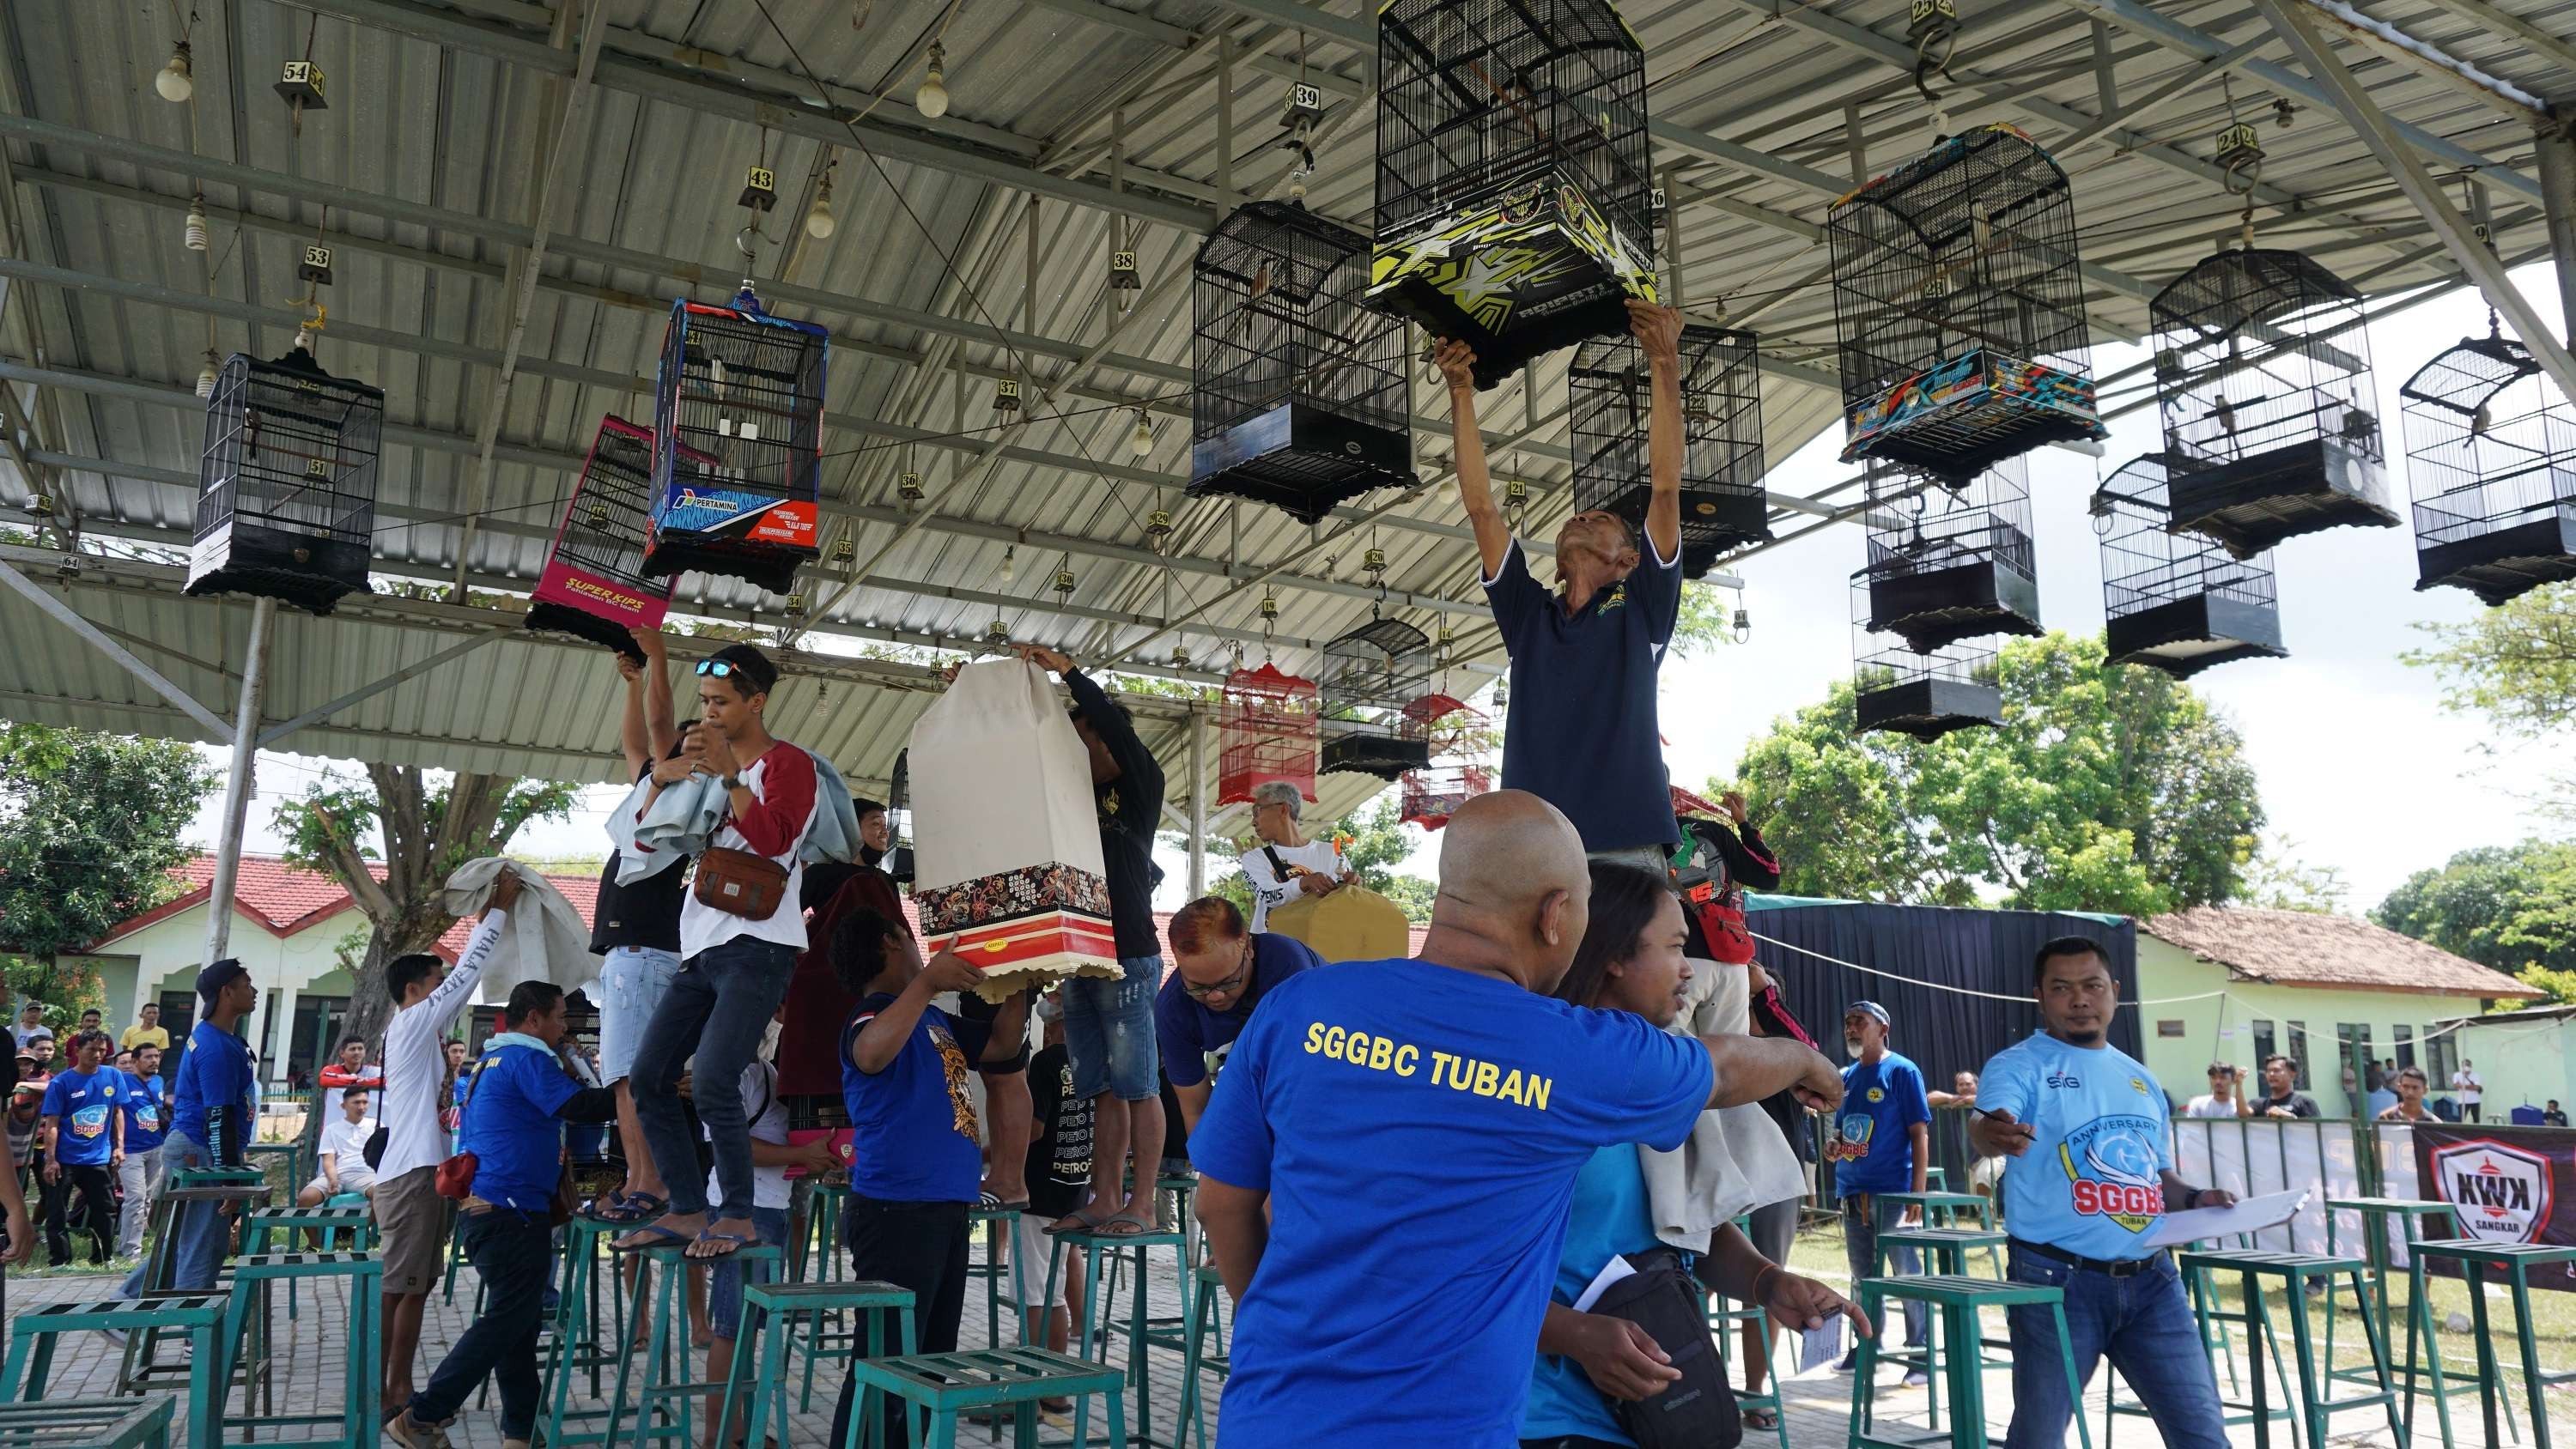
(1756, 1295)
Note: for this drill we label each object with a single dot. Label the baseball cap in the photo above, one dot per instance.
(1869, 1008)
(218, 976)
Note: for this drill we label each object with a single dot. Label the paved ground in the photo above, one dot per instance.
(312, 1351)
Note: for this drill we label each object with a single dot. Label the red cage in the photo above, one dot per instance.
(1432, 795)
(1268, 731)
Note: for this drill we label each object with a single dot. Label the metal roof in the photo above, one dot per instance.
(1071, 120)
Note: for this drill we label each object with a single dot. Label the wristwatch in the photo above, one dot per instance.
(733, 782)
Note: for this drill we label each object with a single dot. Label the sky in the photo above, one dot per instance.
(2360, 768)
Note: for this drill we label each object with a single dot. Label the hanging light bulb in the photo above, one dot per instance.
(819, 223)
(176, 82)
(206, 376)
(932, 99)
(196, 223)
(1141, 441)
(1010, 564)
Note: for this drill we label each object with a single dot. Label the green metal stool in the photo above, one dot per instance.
(245, 1335)
(1945, 1250)
(999, 1228)
(814, 1253)
(2408, 1220)
(2475, 1256)
(198, 1316)
(1143, 1331)
(1722, 1322)
(2296, 1271)
(1940, 1209)
(950, 1385)
(666, 1353)
(258, 1154)
(89, 1423)
(1207, 1327)
(2214, 1341)
(572, 1343)
(1955, 1348)
(330, 1222)
(790, 1306)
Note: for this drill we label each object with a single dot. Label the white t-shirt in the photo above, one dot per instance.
(1318, 856)
(416, 1060)
(372, 1078)
(784, 777)
(2209, 1106)
(2466, 1083)
(768, 1184)
(346, 1142)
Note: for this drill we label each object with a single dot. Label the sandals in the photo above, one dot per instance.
(988, 1201)
(662, 1237)
(1079, 1220)
(709, 1237)
(627, 1209)
(1109, 1227)
(1761, 1420)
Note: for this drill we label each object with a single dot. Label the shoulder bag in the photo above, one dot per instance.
(739, 883)
(1698, 1410)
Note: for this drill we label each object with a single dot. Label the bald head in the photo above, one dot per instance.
(1514, 889)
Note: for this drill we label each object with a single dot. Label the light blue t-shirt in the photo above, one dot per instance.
(1610, 1216)
(2091, 1182)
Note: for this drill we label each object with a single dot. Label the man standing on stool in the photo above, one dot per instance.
(1883, 1143)
(2088, 1123)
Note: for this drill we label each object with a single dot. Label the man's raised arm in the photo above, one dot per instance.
(1475, 484)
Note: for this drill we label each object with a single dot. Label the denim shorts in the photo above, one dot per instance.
(1109, 1031)
(724, 1281)
(632, 979)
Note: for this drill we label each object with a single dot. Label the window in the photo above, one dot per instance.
(316, 1039)
(178, 1017)
(2354, 1053)
(2168, 1028)
(2441, 1058)
(2405, 1046)
(2263, 1047)
(2298, 1052)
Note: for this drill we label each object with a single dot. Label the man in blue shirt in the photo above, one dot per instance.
(1386, 1165)
(146, 1123)
(84, 1137)
(211, 1120)
(1882, 1143)
(1221, 971)
(1582, 734)
(2096, 1172)
(523, 1093)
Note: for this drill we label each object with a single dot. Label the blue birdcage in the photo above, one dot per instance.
(738, 438)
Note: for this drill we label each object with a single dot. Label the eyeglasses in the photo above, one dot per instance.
(1229, 985)
(716, 668)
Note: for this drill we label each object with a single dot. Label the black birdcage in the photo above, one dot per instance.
(594, 586)
(2263, 376)
(1513, 180)
(1300, 396)
(1609, 398)
(1947, 564)
(1367, 675)
(1923, 693)
(2176, 601)
(1959, 309)
(286, 502)
(2491, 447)
(738, 431)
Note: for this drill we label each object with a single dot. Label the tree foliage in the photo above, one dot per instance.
(2106, 788)
(2277, 880)
(90, 829)
(2515, 664)
(1376, 841)
(2511, 907)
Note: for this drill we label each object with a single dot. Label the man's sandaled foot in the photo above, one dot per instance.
(1080, 1220)
(719, 1242)
(1127, 1223)
(654, 1235)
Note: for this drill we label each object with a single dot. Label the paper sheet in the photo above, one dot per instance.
(2271, 1210)
(1611, 1272)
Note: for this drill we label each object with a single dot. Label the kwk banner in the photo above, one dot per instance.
(2504, 1184)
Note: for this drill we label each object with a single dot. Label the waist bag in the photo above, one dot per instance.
(740, 883)
(1698, 1410)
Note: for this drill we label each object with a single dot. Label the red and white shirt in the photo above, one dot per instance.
(782, 785)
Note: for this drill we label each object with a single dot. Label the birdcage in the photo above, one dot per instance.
(738, 427)
(1951, 563)
(2176, 601)
(1959, 309)
(1300, 396)
(2263, 376)
(286, 502)
(1432, 795)
(1924, 693)
(1609, 401)
(2491, 450)
(594, 586)
(1366, 673)
(1513, 180)
(1267, 733)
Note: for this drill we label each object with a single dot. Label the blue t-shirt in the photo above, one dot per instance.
(1874, 1152)
(214, 1072)
(1582, 733)
(913, 1134)
(84, 1101)
(511, 1127)
(146, 1114)
(1610, 1217)
(1194, 1039)
(1418, 1130)
(2091, 1183)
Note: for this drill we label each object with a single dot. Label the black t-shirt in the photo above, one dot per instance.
(646, 913)
(2300, 1104)
(1060, 1151)
(1131, 810)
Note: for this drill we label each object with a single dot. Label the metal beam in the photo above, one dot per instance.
(2294, 20)
(239, 779)
(63, 614)
(2557, 148)
(321, 712)
(2430, 60)
(2545, 45)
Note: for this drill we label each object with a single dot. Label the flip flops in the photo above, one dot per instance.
(708, 1237)
(1079, 1220)
(988, 1201)
(662, 1238)
(627, 1209)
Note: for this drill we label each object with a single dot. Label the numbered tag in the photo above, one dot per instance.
(316, 468)
(316, 264)
(301, 83)
(759, 188)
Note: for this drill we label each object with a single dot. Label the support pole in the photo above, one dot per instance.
(238, 781)
(1198, 801)
(2557, 149)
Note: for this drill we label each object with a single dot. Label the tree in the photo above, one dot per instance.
(89, 837)
(2509, 907)
(2106, 788)
(415, 833)
(2275, 880)
(2516, 665)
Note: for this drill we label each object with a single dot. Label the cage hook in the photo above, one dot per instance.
(1934, 29)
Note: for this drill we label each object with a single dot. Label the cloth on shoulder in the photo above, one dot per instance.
(680, 821)
(1736, 1160)
(542, 939)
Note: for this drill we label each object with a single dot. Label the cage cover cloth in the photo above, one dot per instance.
(1007, 869)
(594, 586)
(1352, 924)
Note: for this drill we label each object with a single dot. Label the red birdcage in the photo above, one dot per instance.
(1443, 721)
(1431, 796)
(1268, 723)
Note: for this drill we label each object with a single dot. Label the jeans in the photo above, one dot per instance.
(1860, 1252)
(915, 1245)
(201, 1230)
(140, 1176)
(724, 1281)
(632, 980)
(1109, 1031)
(97, 1215)
(514, 1253)
(715, 1009)
(2146, 1327)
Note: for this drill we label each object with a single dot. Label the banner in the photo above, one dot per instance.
(2505, 1185)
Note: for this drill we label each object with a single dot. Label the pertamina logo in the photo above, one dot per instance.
(2503, 1194)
